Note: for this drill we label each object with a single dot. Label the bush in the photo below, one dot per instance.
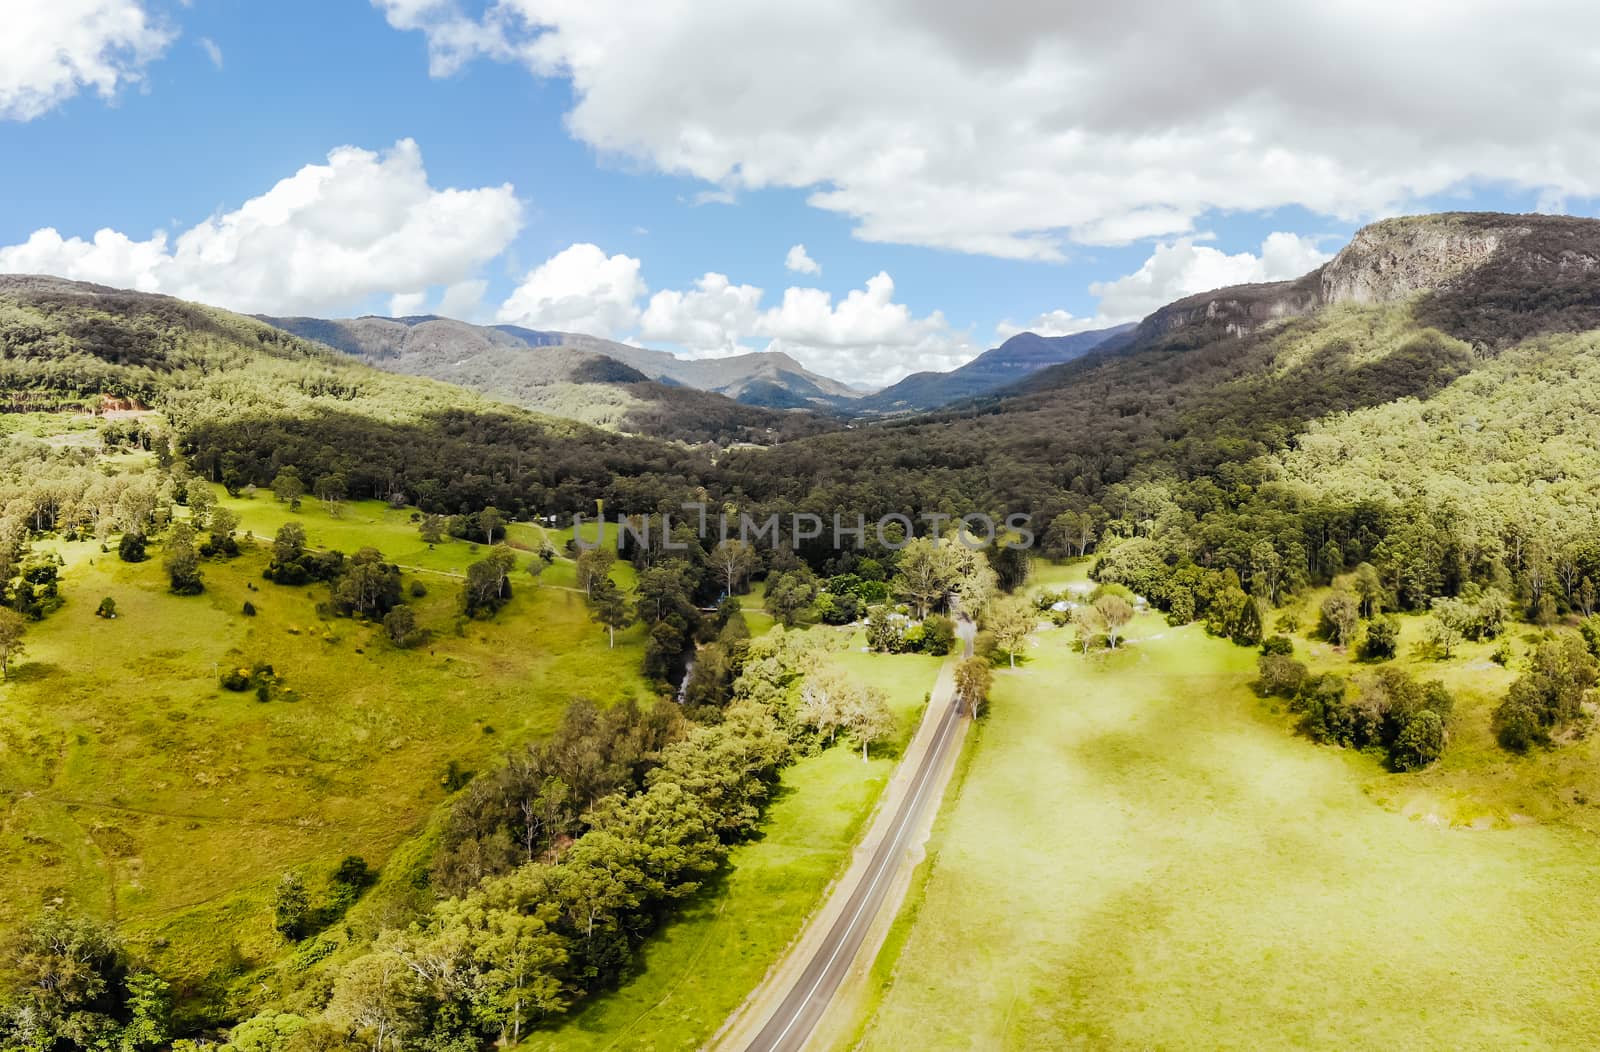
(107, 609)
(938, 635)
(131, 550)
(1382, 641)
(235, 679)
(418, 590)
(1280, 675)
(1280, 646)
(249, 609)
(1419, 744)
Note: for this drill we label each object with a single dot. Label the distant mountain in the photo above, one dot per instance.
(1012, 361)
(570, 377)
(764, 378)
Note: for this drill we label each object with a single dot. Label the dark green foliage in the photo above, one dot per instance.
(1247, 627)
(131, 549)
(291, 908)
(1549, 696)
(1377, 714)
(938, 635)
(107, 609)
(1281, 646)
(368, 587)
(1382, 640)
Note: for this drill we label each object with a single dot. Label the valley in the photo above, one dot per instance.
(321, 712)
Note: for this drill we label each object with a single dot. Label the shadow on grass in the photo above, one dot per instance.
(32, 672)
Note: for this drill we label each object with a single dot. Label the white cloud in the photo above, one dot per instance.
(50, 51)
(580, 289)
(1050, 323)
(327, 237)
(1173, 271)
(408, 304)
(799, 261)
(708, 320)
(864, 337)
(213, 52)
(1183, 268)
(1016, 128)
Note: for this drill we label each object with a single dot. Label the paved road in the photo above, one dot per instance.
(809, 997)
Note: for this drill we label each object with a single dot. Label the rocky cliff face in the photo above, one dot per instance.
(1483, 276)
(1397, 258)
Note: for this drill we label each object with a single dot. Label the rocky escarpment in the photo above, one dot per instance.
(1234, 311)
(1397, 258)
(1481, 276)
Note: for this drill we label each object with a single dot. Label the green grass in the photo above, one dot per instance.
(138, 789)
(697, 970)
(1141, 856)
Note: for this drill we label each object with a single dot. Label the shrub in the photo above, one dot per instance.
(1281, 646)
(235, 679)
(249, 609)
(131, 550)
(938, 635)
(418, 590)
(1382, 641)
(1419, 744)
(1280, 675)
(107, 609)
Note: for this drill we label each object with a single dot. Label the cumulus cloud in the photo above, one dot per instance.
(580, 289)
(212, 50)
(327, 237)
(799, 261)
(864, 337)
(1182, 268)
(1050, 323)
(1175, 270)
(1016, 128)
(710, 319)
(50, 52)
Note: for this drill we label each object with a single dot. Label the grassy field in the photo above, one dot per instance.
(695, 972)
(137, 788)
(1140, 855)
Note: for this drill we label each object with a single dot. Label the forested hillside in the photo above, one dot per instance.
(245, 399)
(1288, 430)
(576, 379)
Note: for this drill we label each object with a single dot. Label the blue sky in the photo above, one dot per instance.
(177, 137)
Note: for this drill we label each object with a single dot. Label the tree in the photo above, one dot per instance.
(201, 500)
(182, 561)
(1449, 624)
(1011, 620)
(12, 628)
(381, 996)
(369, 586)
(593, 564)
(1341, 615)
(331, 490)
(488, 583)
(223, 523)
(609, 607)
(131, 548)
(1369, 587)
(826, 699)
(1420, 743)
(1114, 613)
(1280, 675)
(733, 560)
(973, 679)
(287, 487)
(400, 624)
(1382, 640)
(107, 609)
(431, 529)
(291, 908)
(868, 719)
(789, 594)
(491, 522)
(289, 544)
(925, 574)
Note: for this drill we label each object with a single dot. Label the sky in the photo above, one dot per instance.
(873, 186)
